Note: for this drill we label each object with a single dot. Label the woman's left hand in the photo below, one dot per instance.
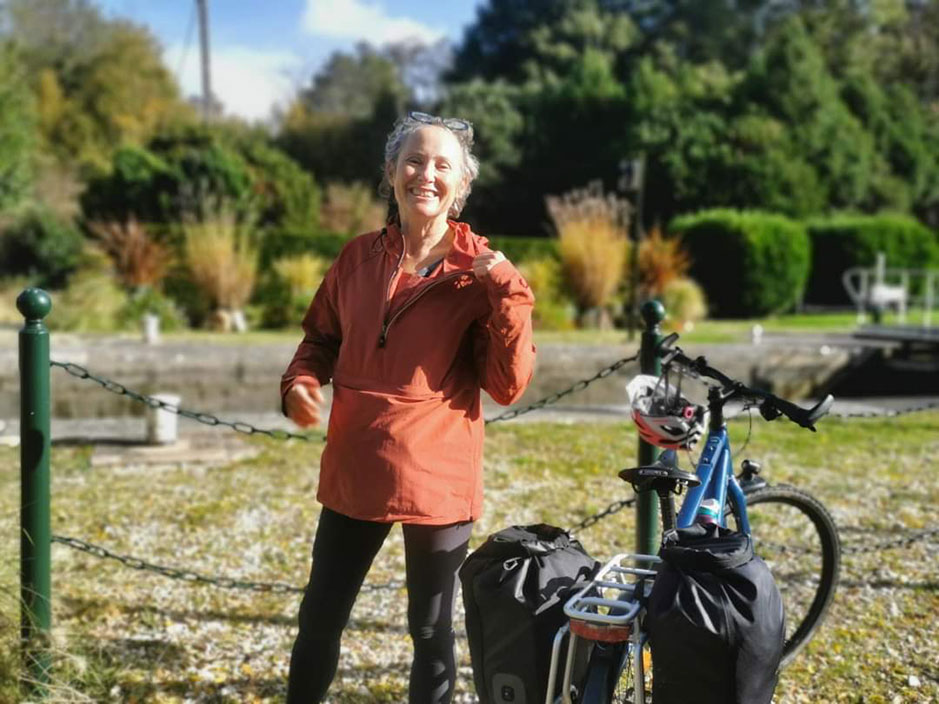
(484, 263)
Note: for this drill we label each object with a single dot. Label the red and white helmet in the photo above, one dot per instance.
(664, 417)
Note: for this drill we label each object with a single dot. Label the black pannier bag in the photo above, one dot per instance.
(515, 586)
(715, 621)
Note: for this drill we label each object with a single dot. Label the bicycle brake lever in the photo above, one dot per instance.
(670, 355)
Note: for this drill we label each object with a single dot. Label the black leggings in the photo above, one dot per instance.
(342, 554)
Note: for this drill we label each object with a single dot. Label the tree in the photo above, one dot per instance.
(497, 112)
(181, 172)
(516, 40)
(790, 82)
(99, 82)
(351, 84)
(17, 127)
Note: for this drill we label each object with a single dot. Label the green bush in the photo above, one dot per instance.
(139, 183)
(93, 301)
(684, 304)
(553, 309)
(147, 300)
(179, 172)
(278, 244)
(287, 288)
(41, 246)
(844, 241)
(748, 263)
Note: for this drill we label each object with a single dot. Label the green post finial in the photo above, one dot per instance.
(653, 313)
(34, 304)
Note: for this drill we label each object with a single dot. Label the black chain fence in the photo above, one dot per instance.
(195, 577)
(248, 429)
(889, 412)
(555, 397)
(80, 372)
(136, 563)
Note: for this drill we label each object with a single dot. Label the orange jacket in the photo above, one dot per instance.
(405, 433)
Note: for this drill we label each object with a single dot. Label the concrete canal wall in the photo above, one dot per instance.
(227, 377)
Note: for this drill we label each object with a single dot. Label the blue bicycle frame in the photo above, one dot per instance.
(715, 470)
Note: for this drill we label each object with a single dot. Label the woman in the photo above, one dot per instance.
(409, 324)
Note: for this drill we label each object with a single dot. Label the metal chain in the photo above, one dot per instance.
(195, 577)
(614, 507)
(80, 372)
(557, 396)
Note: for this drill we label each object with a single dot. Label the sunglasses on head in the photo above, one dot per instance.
(451, 123)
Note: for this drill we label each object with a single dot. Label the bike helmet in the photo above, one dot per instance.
(664, 417)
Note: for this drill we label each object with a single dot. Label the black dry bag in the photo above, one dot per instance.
(514, 589)
(715, 621)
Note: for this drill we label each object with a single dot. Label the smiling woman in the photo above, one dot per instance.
(410, 323)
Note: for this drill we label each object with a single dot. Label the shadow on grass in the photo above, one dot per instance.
(79, 605)
(890, 584)
(385, 683)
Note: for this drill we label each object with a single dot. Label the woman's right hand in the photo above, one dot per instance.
(302, 403)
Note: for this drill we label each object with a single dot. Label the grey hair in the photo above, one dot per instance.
(404, 128)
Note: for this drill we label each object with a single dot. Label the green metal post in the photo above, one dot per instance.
(35, 522)
(647, 507)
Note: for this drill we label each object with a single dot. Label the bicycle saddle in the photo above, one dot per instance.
(663, 474)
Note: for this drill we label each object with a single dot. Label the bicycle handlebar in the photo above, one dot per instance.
(771, 406)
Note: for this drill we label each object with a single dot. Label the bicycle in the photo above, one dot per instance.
(606, 615)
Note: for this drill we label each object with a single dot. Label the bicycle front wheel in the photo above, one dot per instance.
(796, 536)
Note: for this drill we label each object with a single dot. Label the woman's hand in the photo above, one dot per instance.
(485, 262)
(302, 403)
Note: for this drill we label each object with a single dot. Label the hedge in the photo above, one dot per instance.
(844, 241)
(749, 263)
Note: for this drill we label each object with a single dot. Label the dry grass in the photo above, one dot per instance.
(351, 208)
(661, 261)
(593, 231)
(222, 259)
(138, 259)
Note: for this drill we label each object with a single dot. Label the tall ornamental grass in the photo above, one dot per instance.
(594, 241)
(138, 259)
(222, 259)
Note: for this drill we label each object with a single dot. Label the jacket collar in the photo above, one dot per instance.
(466, 245)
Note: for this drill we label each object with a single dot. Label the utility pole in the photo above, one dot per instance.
(207, 102)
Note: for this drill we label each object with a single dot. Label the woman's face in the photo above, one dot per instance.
(429, 173)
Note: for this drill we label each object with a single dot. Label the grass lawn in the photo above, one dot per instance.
(123, 635)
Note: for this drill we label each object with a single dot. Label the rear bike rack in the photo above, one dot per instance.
(607, 610)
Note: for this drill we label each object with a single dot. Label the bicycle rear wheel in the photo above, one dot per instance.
(611, 676)
(796, 536)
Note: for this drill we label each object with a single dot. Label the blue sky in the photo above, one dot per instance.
(262, 51)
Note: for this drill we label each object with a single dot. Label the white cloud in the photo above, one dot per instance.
(362, 20)
(248, 82)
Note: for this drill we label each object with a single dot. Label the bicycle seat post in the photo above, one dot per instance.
(667, 507)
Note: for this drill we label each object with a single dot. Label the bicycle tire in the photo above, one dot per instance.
(805, 559)
(610, 676)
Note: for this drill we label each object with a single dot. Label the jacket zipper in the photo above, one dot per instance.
(387, 299)
(387, 323)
